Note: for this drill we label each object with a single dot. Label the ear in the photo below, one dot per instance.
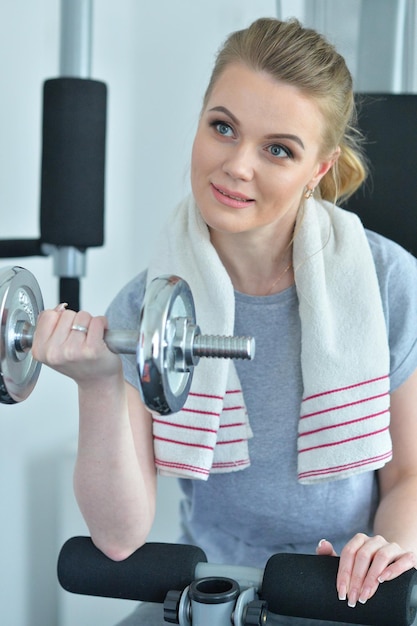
(324, 167)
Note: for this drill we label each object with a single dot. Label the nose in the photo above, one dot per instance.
(240, 162)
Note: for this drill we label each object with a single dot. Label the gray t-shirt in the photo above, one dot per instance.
(243, 517)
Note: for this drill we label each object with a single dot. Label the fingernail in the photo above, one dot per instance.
(342, 592)
(321, 542)
(365, 595)
(61, 307)
(352, 599)
(382, 579)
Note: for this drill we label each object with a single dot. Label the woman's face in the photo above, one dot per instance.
(256, 149)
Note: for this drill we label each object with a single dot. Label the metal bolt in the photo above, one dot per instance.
(224, 347)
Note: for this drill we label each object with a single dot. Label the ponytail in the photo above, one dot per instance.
(345, 176)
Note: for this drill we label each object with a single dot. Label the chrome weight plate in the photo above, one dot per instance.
(164, 385)
(20, 302)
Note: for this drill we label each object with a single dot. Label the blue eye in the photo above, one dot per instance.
(223, 128)
(279, 151)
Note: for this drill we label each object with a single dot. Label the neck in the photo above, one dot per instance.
(257, 266)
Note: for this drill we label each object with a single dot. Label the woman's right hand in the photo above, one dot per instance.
(83, 356)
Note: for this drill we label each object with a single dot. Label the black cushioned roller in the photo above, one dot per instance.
(305, 586)
(147, 575)
(73, 162)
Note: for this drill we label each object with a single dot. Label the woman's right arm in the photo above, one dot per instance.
(115, 477)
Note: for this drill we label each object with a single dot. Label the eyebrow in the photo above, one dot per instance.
(295, 138)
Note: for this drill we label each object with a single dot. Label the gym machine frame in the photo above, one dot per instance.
(73, 159)
(197, 593)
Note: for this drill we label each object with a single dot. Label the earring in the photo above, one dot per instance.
(308, 192)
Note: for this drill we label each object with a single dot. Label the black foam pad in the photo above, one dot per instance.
(73, 162)
(147, 575)
(69, 292)
(387, 202)
(302, 585)
(20, 247)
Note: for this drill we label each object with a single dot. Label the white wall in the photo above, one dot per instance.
(155, 58)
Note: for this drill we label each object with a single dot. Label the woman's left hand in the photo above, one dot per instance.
(365, 563)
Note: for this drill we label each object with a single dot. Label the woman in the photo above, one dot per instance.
(267, 253)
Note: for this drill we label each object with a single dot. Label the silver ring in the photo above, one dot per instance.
(82, 329)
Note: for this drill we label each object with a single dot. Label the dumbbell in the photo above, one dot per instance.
(167, 341)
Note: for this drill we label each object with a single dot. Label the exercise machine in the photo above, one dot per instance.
(197, 593)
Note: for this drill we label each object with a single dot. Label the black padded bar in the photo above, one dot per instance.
(387, 202)
(69, 292)
(303, 585)
(148, 574)
(293, 584)
(73, 162)
(13, 248)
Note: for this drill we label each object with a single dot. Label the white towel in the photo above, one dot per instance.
(344, 423)
(343, 427)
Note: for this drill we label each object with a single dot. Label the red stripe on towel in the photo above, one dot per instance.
(198, 412)
(200, 470)
(339, 389)
(205, 395)
(185, 426)
(347, 466)
(222, 443)
(331, 426)
(344, 406)
(338, 443)
(184, 443)
(182, 466)
(233, 408)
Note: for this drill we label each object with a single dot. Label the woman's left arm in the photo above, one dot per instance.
(365, 561)
(396, 517)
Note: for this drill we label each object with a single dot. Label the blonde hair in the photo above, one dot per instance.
(303, 58)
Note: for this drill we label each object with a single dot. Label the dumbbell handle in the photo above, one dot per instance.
(126, 342)
(118, 341)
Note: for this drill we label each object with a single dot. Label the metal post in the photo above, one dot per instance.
(75, 61)
(76, 38)
(410, 49)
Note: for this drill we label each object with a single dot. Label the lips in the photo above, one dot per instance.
(230, 198)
